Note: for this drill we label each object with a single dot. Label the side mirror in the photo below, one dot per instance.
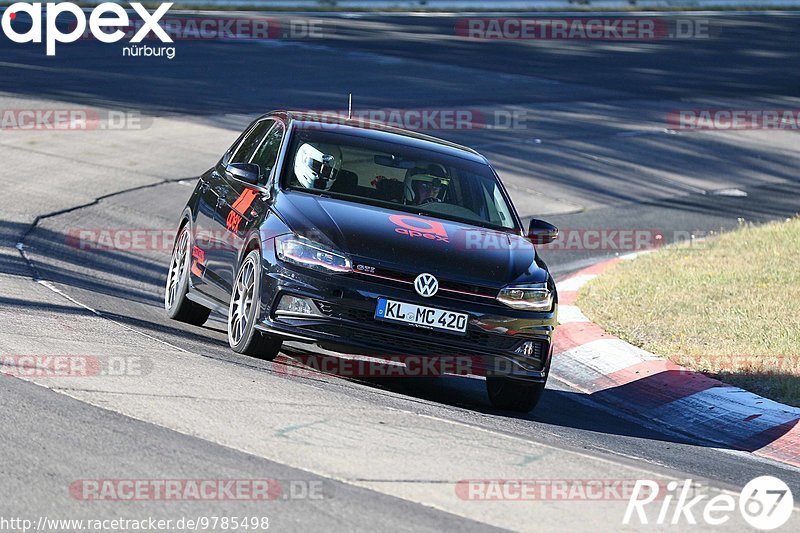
(247, 172)
(541, 232)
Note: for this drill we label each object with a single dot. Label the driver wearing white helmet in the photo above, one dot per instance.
(317, 166)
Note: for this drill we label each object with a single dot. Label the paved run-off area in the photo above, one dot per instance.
(389, 453)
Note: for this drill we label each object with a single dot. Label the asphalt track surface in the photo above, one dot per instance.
(594, 153)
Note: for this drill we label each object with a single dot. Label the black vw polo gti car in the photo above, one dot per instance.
(370, 240)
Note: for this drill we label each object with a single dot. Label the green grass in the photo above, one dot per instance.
(728, 306)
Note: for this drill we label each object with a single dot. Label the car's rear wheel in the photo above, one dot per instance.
(513, 395)
(243, 337)
(175, 302)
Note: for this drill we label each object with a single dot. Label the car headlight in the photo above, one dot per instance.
(529, 296)
(309, 254)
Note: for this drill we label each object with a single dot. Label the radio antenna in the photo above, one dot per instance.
(350, 107)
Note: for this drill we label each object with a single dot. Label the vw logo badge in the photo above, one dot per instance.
(426, 285)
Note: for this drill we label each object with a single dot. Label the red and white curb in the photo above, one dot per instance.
(637, 382)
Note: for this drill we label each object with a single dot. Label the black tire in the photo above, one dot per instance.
(243, 337)
(175, 302)
(513, 395)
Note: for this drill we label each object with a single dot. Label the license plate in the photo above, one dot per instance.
(421, 316)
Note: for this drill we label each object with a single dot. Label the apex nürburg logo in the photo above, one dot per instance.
(102, 20)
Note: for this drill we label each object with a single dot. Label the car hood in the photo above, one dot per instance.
(412, 243)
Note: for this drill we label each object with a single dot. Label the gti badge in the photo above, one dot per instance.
(426, 285)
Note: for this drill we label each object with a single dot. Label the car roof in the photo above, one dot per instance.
(376, 130)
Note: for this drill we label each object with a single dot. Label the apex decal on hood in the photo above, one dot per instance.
(412, 226)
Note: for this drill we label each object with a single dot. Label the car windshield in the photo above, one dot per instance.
(407, 178)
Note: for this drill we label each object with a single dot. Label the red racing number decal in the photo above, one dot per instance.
(198, 258)
(242, 204)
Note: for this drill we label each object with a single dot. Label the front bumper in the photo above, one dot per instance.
(493, 344)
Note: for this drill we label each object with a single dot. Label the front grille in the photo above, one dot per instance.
(487, 292)
(448, 289)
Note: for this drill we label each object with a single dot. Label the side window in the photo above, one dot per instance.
(267, 154)
(245, 150)
(226, 158)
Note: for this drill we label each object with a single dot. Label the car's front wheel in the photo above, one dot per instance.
(513, 395)
(175, 302)
(243, 337)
